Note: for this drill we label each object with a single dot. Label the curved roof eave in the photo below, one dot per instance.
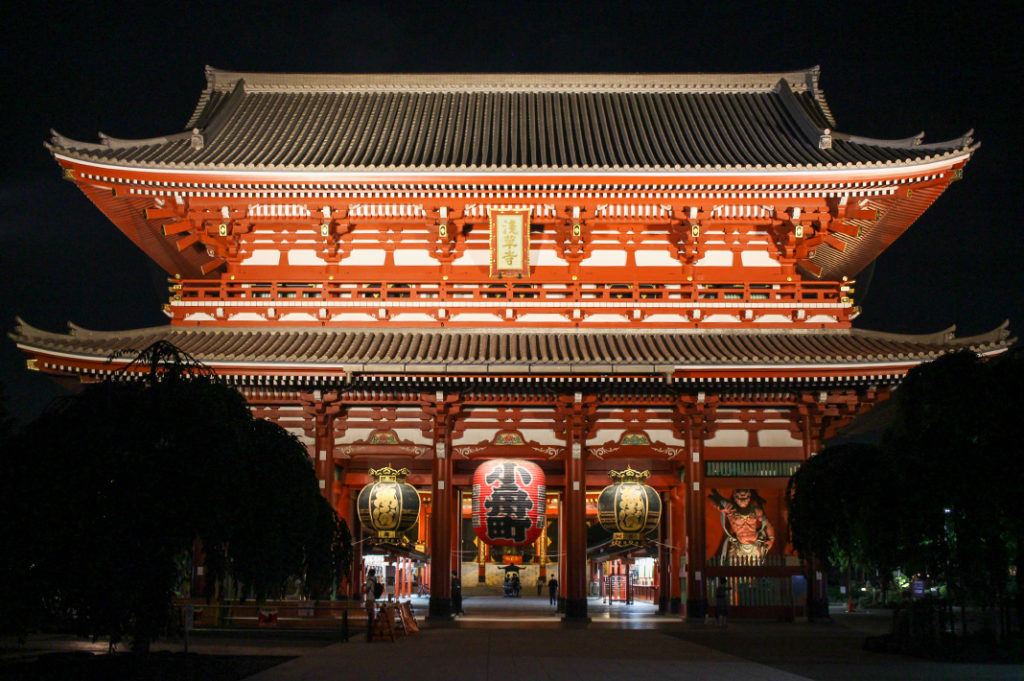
(951, 155)
(24, 330)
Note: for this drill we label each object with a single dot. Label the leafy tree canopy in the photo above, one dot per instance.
(105, 495)
(936, 497)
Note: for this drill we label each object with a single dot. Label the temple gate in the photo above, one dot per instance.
(583, 271)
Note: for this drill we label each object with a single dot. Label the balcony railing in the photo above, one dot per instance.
(811, 304)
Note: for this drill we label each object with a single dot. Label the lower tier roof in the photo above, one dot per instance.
(447, 351)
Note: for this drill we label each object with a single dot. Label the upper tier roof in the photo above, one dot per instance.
(501, 122)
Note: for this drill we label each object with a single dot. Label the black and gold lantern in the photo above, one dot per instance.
(389, 506)
(628, 509)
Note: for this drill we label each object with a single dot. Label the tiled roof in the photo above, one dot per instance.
(489, 122)
(451, 351)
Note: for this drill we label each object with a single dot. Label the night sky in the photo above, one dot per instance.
(135, 70)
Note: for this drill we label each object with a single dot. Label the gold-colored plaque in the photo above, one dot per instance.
(510, 242)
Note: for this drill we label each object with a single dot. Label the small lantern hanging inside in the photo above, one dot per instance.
(389, 506)
(509, 502)
(628, 509)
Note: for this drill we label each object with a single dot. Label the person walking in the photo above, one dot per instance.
(553, 591)
(722, 592)
(457, 594)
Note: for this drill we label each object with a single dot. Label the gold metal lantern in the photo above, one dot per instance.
(389, 506)
(629, 509)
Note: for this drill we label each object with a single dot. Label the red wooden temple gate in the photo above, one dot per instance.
(581, 270)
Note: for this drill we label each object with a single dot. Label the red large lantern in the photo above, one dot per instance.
(509, 499)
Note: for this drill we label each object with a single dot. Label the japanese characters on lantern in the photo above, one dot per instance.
(389, 506)
(628, 508)
(509, 498)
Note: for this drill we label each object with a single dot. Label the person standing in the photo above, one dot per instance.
(369, 600)
(540, 585)
(553, 591)
(722, 592)
(457, 594)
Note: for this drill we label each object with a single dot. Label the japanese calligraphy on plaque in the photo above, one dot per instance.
(510, 241)
(509, 499)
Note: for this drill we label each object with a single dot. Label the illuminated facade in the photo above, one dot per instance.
(582, 271)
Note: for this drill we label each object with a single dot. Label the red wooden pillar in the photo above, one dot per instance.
(656, 581)
(426, 532)
(355, 579)
(561, 552)
(441, 534)
(575, 534)
(696, 593)
(545, 539)
(540, 551)
(423, 526)
(627, 568)
(325, 465)
(817, 585)
(481, 561)
(663, 577)
(456, 546)
(322, 409)
(343, 506)
(677, 532)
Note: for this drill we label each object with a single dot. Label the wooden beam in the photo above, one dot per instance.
(834, 242)
(844, 228)
(854, 213)
(177, 227)
(160, 213)
(212, 265)
(186, 241)
(815, 270)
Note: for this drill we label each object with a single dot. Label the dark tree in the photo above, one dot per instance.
(957, 436)
(937, 497)
(106, 494)
(829, 497)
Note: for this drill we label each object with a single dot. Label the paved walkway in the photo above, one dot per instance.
(515, 639)
(503, 639)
